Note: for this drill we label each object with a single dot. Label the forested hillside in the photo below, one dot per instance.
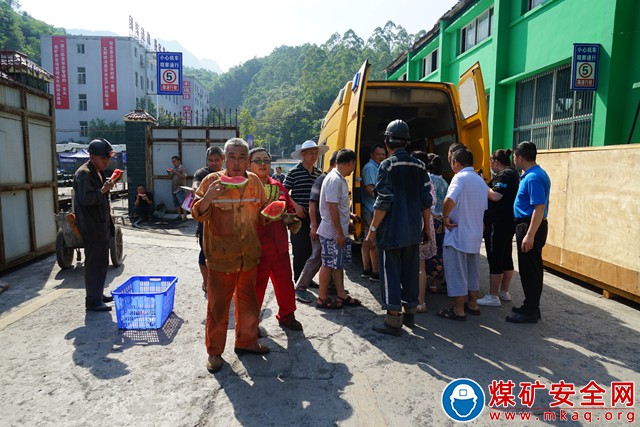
(281, 98)
(19, 31)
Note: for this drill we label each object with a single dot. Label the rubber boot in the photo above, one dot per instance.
(409, 318)
(392, 325)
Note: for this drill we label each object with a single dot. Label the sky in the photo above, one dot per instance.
(234, 31)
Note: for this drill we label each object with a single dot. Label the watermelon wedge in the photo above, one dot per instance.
(274, 210)
(117, 173)
(233, 181)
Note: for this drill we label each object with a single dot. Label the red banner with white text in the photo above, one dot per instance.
(109, 77)
(60, 72)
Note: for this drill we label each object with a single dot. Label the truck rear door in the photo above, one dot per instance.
(474, 132)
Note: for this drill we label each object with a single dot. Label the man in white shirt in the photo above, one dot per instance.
(463, 212)
(334, 229)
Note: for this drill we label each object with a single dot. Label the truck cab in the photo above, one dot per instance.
(438, 115)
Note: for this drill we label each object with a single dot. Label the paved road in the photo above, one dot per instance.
(62, 366)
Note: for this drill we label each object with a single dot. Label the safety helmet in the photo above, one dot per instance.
(101, 147)
(397, 133)
(463, 391)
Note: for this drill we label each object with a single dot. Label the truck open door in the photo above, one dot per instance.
(474, 119)
(356, 105)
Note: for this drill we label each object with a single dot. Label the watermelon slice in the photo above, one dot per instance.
(274, 210)
(233, 181)
(117, 173)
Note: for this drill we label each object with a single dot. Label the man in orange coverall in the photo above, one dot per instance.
(274, 246)
(232, 250)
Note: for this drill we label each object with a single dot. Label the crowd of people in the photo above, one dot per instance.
(420, 232)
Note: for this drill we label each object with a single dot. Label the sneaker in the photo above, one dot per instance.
(504, 296)
(520, 310)
(365, 274)
(375, 277)
(490, 301)
(304, 296)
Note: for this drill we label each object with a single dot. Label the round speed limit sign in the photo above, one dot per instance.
(169, 76)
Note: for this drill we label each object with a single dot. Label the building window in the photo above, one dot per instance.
(82, 76)
(551, 115)
(141, 82)
(80, 47)
(535, 3)
(430, 63)
(84, 129)
(477, 30)
(136, 79)
(82, 102)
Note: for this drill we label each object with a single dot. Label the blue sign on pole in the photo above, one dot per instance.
(584, 66)
(169, 73)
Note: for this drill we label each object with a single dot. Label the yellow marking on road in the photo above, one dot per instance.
(30, 308)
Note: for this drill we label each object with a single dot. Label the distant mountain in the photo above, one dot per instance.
(99, 33)
(189, 59)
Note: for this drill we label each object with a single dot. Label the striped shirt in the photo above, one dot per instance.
(299, 182)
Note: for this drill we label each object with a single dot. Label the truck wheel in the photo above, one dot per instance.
(64, 255)
(116, 247)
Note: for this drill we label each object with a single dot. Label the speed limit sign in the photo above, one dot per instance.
(169, 73)
(584, 69)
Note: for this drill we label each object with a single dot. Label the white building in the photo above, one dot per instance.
(107, 77)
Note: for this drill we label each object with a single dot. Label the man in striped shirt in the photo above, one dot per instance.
(299, 181)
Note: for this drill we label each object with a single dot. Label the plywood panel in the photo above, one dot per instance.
(38, 104)
(162, 193)
(162, 153)
(40, 152)
(593, 214)
(44, 220)
(164, 133)
(15, 219)
(9, 96)
(190, 133)
(12, 165)
(194, 156)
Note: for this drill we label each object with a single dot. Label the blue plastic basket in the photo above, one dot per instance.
(144, 302)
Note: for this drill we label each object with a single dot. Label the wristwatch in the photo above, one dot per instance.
(372, 228)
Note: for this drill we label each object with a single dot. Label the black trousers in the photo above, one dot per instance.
(96, 262)
(301, 247)
(530, 265)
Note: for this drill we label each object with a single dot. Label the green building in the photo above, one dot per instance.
(525, 49)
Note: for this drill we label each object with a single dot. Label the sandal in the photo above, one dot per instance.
(450, 314)
(470, 310)
(328, 304)
(350, 302)
(421, 308)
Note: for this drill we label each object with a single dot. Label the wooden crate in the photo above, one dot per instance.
(594, 227)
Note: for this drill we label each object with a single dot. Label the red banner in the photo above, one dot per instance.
(186, 89)
(109, 81)
(60, 72)
(186, 114)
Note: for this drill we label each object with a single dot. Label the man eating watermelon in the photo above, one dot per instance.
(231, 247)
(274, 245)
(93, 218)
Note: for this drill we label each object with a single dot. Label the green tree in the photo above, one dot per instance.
(113, 131)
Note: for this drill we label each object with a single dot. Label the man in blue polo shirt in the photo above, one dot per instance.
(530, 212)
